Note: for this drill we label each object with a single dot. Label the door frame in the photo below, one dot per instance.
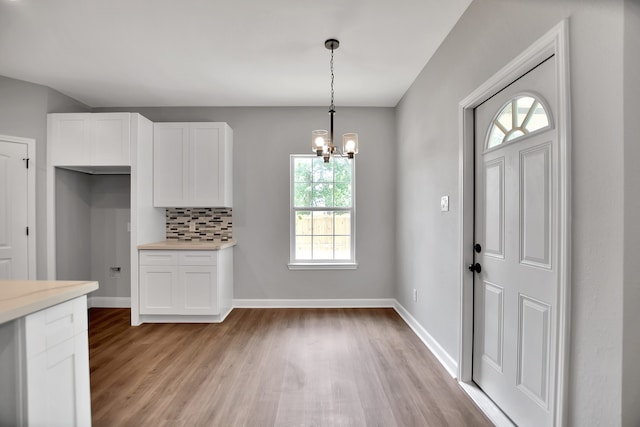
(31, 200)
(555, 42)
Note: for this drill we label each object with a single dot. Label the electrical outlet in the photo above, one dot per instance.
(415, 295)
(444, 203)
(192, 226)
(114, 272)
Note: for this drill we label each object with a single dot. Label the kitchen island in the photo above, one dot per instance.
(44, 353)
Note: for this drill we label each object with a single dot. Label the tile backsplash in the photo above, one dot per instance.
(210, 224)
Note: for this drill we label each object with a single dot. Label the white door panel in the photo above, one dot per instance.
(494, 207)
(14, 242)
(515, 293)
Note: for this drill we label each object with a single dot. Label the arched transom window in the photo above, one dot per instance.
(521, 116)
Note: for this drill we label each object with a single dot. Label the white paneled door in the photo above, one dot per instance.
(516, 219)
(14, 243)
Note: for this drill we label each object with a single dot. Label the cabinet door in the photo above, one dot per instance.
(170, 157)
(206, 156)
(210, 165)
(198, 285)
(69, 139)
(111, 143)
(58, 391)
(159, 292)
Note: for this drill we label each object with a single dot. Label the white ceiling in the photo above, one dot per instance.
(110, 53)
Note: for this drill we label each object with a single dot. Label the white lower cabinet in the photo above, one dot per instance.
(196, 283)
(57, 366)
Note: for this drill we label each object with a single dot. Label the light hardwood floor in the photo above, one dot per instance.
(271, 367)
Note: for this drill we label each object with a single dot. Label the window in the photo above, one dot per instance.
(322, 213)
(519, 117)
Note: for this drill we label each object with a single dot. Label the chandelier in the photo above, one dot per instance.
(321, 140)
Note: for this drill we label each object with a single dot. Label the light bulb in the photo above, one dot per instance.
(350, 146)
(319, 140)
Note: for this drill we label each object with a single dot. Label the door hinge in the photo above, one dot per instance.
(27, 231)
(26, 160)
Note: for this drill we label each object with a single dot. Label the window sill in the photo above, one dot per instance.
(319, 266)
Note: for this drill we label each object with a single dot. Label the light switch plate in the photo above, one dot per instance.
(444, 203)
(192, 226)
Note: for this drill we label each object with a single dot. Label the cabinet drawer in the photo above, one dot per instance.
(209, 258)
(158, 258)
(47, 328)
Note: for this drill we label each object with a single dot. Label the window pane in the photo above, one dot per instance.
(342, 247)
(515, 134)
(496, 137)
(523, 105)
(505, 117)
(538, 119)
(302, 195)
(322, 172)
(303, 223)
(342, 223)
(303, 247)
(322, 223)
(342, 195)
(302, 169)
(323, 247)
(342, 170)
(530, 116)
(322, 195)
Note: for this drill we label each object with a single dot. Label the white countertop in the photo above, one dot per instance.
(194, 245)
(19, 298)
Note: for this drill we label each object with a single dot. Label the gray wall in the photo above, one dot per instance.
(110, 239)
(631, 331)
(23, 112)
(428, 240)
(73, 225)
(263, 139)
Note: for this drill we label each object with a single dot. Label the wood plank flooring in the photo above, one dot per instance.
(271, 367)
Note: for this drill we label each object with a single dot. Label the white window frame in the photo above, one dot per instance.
(294, 264)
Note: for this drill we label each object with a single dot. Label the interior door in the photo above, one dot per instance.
(14, 243)
(516, 219)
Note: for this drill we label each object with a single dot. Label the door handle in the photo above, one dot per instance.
(475, 267)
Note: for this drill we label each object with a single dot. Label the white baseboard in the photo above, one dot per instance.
(109, 302)
(440, 353)
(181, 318)
(486, 405)
(315, 303)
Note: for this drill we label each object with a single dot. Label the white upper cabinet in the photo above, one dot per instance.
(111, 143)
(90, 139)
(192, 165)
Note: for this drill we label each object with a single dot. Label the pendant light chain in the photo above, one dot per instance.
(333, 107)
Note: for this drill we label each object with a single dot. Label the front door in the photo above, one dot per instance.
(516, 219)
(14, 249)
